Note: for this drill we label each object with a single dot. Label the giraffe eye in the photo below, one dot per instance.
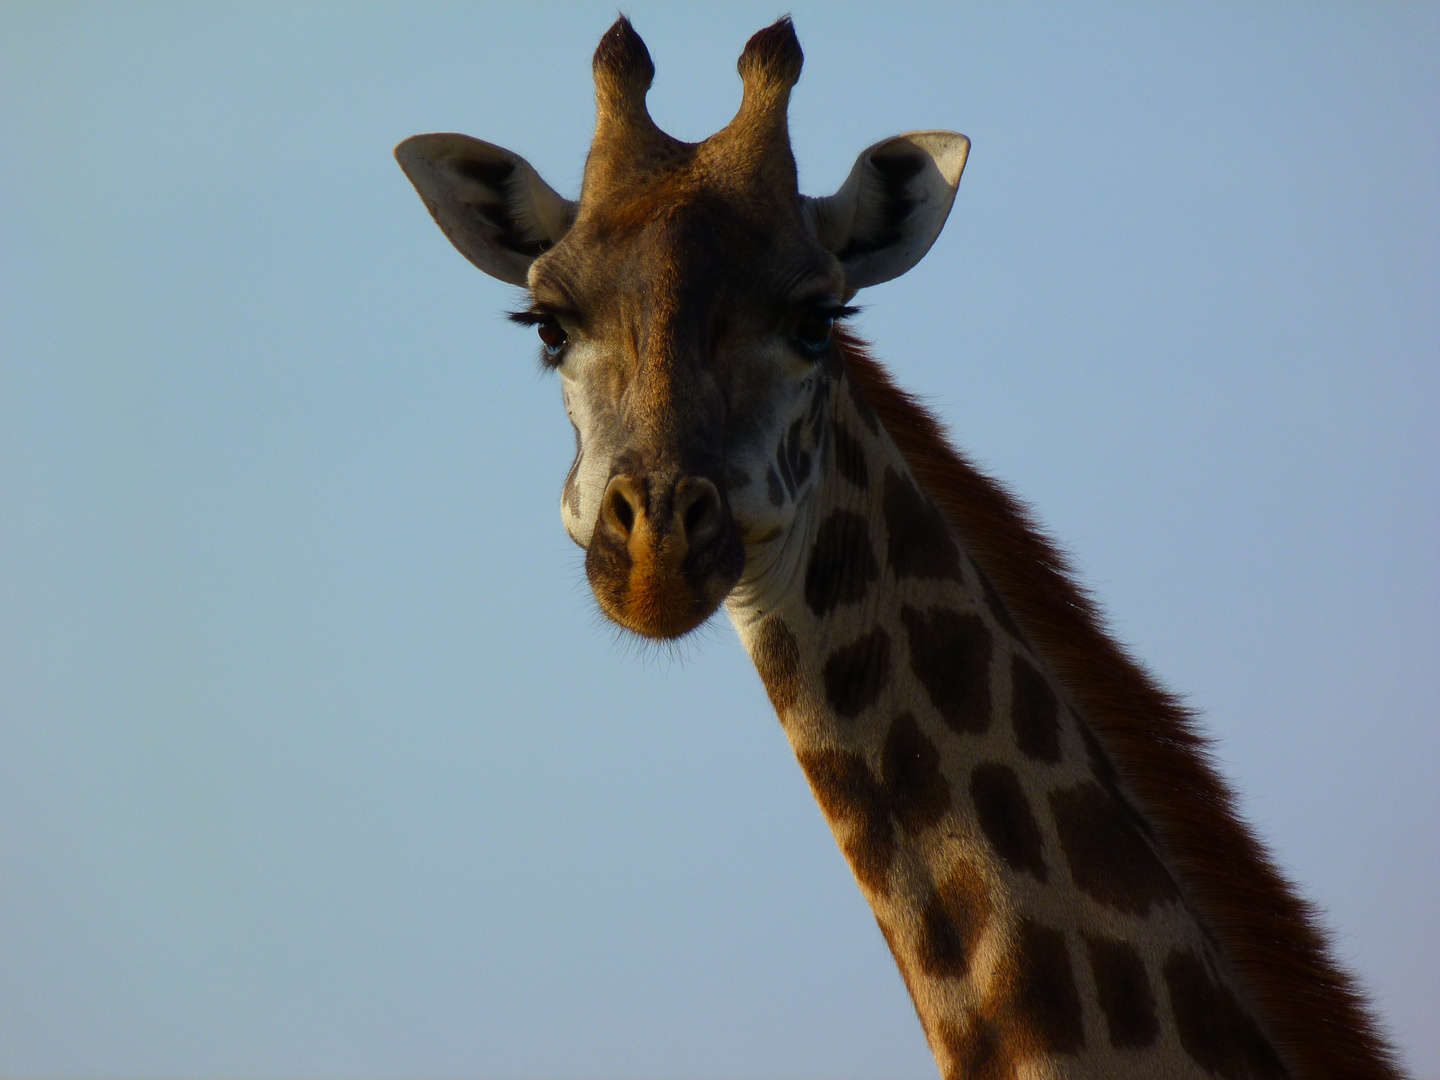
(812, 333)
(552, 336)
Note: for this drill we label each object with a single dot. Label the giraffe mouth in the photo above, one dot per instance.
(662, 582)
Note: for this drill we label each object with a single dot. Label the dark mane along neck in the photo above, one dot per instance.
(1272, 936)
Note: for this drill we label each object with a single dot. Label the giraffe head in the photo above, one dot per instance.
(686, 301)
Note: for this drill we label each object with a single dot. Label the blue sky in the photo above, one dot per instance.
(315, 759)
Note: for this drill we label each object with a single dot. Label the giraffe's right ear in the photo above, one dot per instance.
(491, 203)
(891, 207)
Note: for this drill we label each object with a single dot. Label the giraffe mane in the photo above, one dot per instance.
(1270, 934)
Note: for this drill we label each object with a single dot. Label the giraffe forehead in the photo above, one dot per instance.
(660, 248)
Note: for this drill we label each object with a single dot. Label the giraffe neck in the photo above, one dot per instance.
(1029, 905)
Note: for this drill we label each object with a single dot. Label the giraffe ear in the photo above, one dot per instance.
(891, 207)
(491, 203)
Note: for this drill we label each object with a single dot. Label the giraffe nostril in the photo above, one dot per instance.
(699, 509)
(623, 504)
(623, 511)
(694, 516)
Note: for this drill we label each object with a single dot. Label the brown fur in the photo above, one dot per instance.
(1271, 935)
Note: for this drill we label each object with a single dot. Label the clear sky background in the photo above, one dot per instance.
(315, 759)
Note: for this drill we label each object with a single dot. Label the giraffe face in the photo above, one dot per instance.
(686, 302)
(695, 359)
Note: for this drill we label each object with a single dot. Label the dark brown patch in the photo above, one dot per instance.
(773, 490)
(850, 458)
(1034, 711)
(862, 406)
(1005, 816)
(1033, 1009)
(952, 921)
(950, 654)
(855, 674)
(978, 1051)
(920, 542)
(910, 792)
(1214, 1030)
(777, 658)
(1124, 992)
(1042, 995)
(846, 791)
(910, 770)
(1108, 856)
(842, 563)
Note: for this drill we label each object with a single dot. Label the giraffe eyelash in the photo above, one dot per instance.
(837, 312)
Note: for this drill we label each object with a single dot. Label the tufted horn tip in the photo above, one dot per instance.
(623, 68)
(772, 58)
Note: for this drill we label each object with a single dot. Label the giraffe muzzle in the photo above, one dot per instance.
(663, 555)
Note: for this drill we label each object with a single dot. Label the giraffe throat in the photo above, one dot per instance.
(1028, 904)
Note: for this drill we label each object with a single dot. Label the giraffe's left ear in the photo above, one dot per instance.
(891, 207)
(490, 202)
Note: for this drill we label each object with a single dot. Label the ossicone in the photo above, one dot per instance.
(772, 58)
(769, 67)
(623, 73)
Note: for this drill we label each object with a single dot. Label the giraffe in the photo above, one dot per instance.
(1060, 873)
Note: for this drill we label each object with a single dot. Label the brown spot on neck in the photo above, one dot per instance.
(1108, 857)
(953, 920)
(1006, 818)
(776, 656)
(842, 564)
(855, 674)
(950, 655)
(1122, 989)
